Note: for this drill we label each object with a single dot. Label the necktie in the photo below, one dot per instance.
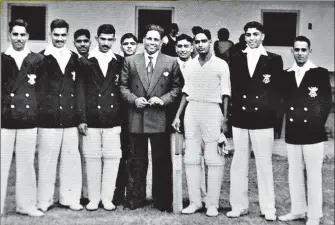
(150, 68)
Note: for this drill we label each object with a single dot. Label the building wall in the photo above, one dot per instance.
(208, 14)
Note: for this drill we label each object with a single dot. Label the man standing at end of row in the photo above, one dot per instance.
(255, 80)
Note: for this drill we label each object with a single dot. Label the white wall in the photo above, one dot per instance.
(210, 14)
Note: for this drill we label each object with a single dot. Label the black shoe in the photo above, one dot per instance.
(84, 201)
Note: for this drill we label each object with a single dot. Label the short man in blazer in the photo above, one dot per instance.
(82, 42)
(307, 97)
(100, 116)
(255, 86)
(58, 122)
(19, 117)
(149, 83)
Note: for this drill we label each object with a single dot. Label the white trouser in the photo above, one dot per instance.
(102, 143)
(262, 143)
(312, 155)
(23, 142)
(203, 124)
(55, 142)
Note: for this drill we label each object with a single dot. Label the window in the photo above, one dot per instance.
(281, 27)
(152, 15)
(34, 14)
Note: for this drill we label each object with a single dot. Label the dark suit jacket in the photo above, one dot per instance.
(165, 84)
(100, 96)
(18, 94)
(58, 91)
(306, 115)
(255, 99)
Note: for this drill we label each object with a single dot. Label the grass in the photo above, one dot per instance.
(150, 216)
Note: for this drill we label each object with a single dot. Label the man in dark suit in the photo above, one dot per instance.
(149, 83)
(100, 115)
(19, 117)
(58, 121)
(307, 97)
(255, 86)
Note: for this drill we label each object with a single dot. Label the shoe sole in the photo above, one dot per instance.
(242, 214)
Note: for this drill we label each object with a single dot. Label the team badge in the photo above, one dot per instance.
(266, 78)
(166, 73)
(73, 75)
(32, 78)
(117, 78)
(312, 91)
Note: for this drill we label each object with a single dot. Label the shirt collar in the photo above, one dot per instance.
(182, 62)
(307, 66)
(13, 53)
(97, 54)
(154, 56)
(261, 50)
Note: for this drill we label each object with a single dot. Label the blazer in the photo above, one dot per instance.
(18, 91)
(57, 106)
(256, 99)
(307, 107)
(99, 97)
(164, 84)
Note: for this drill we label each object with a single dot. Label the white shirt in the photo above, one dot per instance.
(62, 55)
(207, 83)
(147, 60)
(103, 58)
(253, 55)
(18, 56)
(183, 64)
(301, 70)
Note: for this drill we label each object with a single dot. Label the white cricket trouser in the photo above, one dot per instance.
(203, 124)
(312, 155)
(102, 143)
(262, 143)
(55, 142)
(23, 142)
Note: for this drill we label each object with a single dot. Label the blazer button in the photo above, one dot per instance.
(12, 94)
(305, 109)
(291, 119)
(27, 94)
(244, 96)
(99, 107)
(71, 107)
(60, 95)
(71, 95)
(112, 94)
(27, 106)
(305, 121)
(99, 95)
(60, 107)
(257, 97)
(12, 106)
(243, 107)
(256, 108)
(291, 108)
(112, 106)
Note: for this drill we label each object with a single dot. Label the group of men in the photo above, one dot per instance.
(118, 103)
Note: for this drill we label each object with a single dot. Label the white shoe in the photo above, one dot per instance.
(192, 208)
(108, 205)
(235, 214)
(33, 212)
(76, 207)
(290, 217)
(92, 205)
(212, 211)
(43, 207)
(313, 222)
(270, 216)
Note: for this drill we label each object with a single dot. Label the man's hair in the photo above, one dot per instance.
(196, 30)
(254, 24)
(106, 29)
(172, 26)
(205, 32)
(128, 35)
(223, 34)
(82, 32)
(184, 37)
(18, 22)
(241, 39)
(304, 39)
(154, 27)
(59, 23)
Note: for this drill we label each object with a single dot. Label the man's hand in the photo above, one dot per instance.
(83, 128)
(141, 102)
(224, 125)
(155, 101)
(176, 124)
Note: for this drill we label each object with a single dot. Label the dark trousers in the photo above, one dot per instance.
(161, 170)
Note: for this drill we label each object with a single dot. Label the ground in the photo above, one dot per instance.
(151, 216)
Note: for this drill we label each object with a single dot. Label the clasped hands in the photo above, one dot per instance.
(142, 102)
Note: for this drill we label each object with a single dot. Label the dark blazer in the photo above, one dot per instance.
(58, 91)
(255, 99)
(100, 96)
(306, 115)
(18, 94)
(165, 84)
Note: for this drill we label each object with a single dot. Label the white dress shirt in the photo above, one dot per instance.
(301, 70)
(147, 60)
(103, 58)
(253, 55)
(18, 56)
(62, 55)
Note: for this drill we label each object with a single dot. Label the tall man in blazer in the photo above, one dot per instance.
(19, 117)
(255, 86)
(58, 132)
(149, 83)
(100, 116)
(307, 97)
